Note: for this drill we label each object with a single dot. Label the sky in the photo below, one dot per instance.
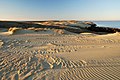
(59, 10)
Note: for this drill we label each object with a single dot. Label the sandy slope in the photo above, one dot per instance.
(57, 56)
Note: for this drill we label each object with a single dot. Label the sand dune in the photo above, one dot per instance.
(16, 31)
(73, 59)
(57, 54)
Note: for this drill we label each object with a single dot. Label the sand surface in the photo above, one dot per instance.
(59, 55)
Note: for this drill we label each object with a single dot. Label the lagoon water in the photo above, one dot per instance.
(114, 24)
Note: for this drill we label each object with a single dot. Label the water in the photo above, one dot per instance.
(113, 24)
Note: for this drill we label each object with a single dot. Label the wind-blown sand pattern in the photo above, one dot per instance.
(59, 55)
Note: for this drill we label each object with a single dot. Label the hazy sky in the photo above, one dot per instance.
(60, 9)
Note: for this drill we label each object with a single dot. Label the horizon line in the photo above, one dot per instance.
(56, 20)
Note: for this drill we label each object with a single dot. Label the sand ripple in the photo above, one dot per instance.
(60, 57)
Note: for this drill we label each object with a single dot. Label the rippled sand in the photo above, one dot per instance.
(52, 55)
